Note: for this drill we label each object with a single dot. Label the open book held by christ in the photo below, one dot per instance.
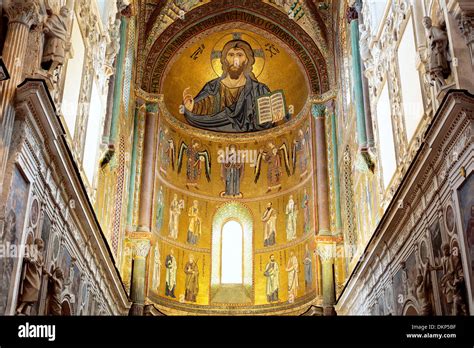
(271, 107)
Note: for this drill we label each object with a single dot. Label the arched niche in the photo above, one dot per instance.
(260, 16)
(409, 309)
(66, 309)
(232, 220)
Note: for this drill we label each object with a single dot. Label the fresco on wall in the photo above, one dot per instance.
(12, 233)
(404, 283)
(45, 233)
(439, 254)
(72, 277)
(466, 204)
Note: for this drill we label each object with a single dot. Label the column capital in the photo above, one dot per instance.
(326, 251)
(152, 107)
(318, 110)
(23, 11)
(141, 248)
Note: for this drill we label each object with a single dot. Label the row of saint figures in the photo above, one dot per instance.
(271, 273)
(268, 219)
(196, 158)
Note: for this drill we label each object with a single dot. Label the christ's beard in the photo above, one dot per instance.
(234, 73)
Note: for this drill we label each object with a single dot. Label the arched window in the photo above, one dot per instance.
(232, 252)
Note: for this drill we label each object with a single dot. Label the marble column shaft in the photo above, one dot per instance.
(420, 34)
(22, 14)
(337, 187)
(357, 78)
(147, 173)
(133, 166)
(137, 291)
(118, 82)
(318, 111)
(324, 234)
(329, 297)
(365, 91)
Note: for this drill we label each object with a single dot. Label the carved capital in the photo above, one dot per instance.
(152, 108)
(326, 251)
(141, 248)
(23, 11)
(318, 110)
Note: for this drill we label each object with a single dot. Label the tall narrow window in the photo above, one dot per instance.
(231, 263)
(410, 81)
(72, 85)
(387, 143)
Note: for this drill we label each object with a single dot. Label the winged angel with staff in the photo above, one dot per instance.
(196, 159)
(274, 158)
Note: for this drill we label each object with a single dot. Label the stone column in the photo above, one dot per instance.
(324, 236)
(318, 111)
(139, 109)
(109, 109)
(365, 84)
(118, 84)
(337, 186)
(326, 252)
(21, 14)
(462, 12)
(353, 19)
(148, 160)
(420, 35)
(137, 291)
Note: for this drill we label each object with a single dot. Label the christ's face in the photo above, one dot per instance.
(236, 60)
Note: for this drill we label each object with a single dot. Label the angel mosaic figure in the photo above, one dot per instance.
(166, 151)
(196, 159)
(274, 158)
